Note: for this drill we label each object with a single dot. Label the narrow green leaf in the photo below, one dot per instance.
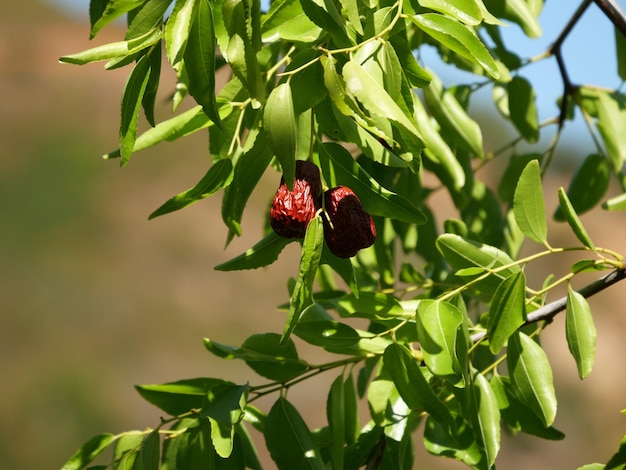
(289, 440)
(508, 182)
(149, 16)
(458, 38)
(612, 127)
(438, 325)
(131, 103)
(486, 417)
(370, 305)
(453, 118)
(412, 385)
(302, 295)
(580, 332)
(569, 214)
(279, 359)
(279, 122)
(522, 108)
(218, 176)
(177, 30)
(465, 11)
(328, 334)
(531, 376)
(113, 10)
(89, 451)
(617, 203)
(376, 100)
(528, 204)
(351, 406)
(588, 186)
(178, 397)
(200, 60)
(336, 161)
(336, 414)
(149, 96)
(462, 253)
(149, 453)
(507, 311)
(262, 254)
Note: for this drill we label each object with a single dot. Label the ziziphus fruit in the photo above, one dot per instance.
(292, 211)
(352, 227)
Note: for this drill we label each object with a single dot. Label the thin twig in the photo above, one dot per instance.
(549, 311)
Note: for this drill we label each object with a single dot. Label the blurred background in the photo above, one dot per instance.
(95, 299)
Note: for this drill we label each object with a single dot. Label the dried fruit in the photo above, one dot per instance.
(352, 227)
(292, 211)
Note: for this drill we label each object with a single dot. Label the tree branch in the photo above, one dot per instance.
(549, 311)
(614, 13)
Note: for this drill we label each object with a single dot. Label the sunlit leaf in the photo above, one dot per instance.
(279, 122)
(531, 376)
(507, 311)
(112, 10)
(302, 295)
(177, 30)
(486, 416)
(528, 204)
(458, 38)
(569, 214)
(131, 104)
(522, 108)
(89, 451)
(465, 11)
(263, 253)
(580, 332)
(178, 397)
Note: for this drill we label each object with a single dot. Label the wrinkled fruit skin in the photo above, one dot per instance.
(292, 211)
(352, 228)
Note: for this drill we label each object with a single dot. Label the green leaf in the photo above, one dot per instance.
(150, 94)
(302, 295)
(279, 122)
(200, 60)
(569, 214)
(458, 443)
(336, 161)
(462, 253)
(249, 168)
(458, 38)
(370, 305)
(343, 267)
(113, 10)
(617, 203)
(114, 50)
(177, 30)
(522, 108)
(277, 357)
(465, 11)
(437, 149)
(351, 407)
(218, 176)
(453, 119)
(286, 20)
(517, 416)
(588, 186)
(178, 397)
(612, 127)
(376, 100)
(438, 325)
(508, 182)
(262, 254)
(529, 206)
(225, 409)
(89, 451)
(149, 16)
(531, 376)
(336, 414)
(486, 416)
(519, 12)
(131, 103)
(127, 450)
(289, 440)
(328, 334)
(507, 311)
(580, 332)
(412, 385)
(149, 452)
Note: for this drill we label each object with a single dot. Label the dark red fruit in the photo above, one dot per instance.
(292, 211)
(352, 228)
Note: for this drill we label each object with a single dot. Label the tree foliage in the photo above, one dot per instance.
(451, 350)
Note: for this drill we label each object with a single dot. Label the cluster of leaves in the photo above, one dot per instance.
(452, 342)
